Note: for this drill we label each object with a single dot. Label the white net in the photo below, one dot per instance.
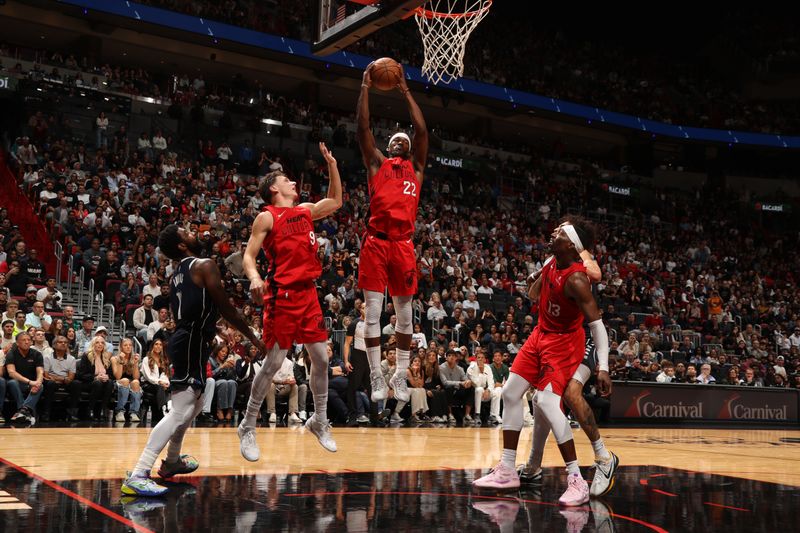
(445, 26)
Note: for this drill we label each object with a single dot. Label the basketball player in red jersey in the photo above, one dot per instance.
(387, 253)
(291, 307)
(606, 462)
(549, 359)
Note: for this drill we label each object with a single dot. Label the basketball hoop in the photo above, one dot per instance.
(445, 26)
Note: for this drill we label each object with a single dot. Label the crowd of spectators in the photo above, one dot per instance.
(588, 69)
(689, 293)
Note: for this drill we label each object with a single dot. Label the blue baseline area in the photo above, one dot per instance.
(220, 31)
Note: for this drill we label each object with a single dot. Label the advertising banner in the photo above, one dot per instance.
(653, 401)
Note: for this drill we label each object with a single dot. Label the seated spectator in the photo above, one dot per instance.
(455, 383)
(59, 374)
(667, 374)
(283, 384)
(416, 389)
(705, 377)
(7, 339)
(222, 364)
(751, 380)
(143, 316)
(129, 291)
(630, 344)
(155, 378)
(691, 374)
(162, 300)
(37, 318)
(337, 387)
(152, 288)
(437, 399)
(482, 378)
(733, 377)
(302, 368)
(125, 368)
(419, 337)
(157, 324)
(25, 368)
(247, 368)
(101, 332)
(85, 333)
(11, 310)
(50, 296)
(94, 373)
(40, 342)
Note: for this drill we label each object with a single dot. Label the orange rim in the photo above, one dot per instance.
(428, 14)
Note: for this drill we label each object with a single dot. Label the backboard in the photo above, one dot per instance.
(340, 23)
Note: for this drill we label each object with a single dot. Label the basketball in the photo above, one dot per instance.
(385, 74)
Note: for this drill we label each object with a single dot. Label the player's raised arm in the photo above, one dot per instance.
(579, 288)
(366, 141)
(328, 205)
(212, 281)
(420, 141)
(261, 226)
(592, 268)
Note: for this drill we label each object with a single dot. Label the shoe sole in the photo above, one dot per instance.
(612, 480)
(130, 491)
(496, 487)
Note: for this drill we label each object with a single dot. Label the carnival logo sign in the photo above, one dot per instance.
(736, 410)
(640, 407)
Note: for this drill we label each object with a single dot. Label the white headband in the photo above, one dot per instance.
(569, 229)
(402, 136)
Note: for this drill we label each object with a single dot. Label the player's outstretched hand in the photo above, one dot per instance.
(603, 383)
(327, 154)
(257, 290)
(367, 78)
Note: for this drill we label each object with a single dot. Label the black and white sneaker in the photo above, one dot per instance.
(527, 477)
(604, 476)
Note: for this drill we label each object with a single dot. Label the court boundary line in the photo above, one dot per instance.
(77, 497)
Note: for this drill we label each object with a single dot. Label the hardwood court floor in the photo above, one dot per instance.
(90, 453)
(398, 479)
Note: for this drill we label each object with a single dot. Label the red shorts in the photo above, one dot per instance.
(550, 359)
(392, 263)
(293, 316)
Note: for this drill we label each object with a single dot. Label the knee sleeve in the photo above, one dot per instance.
(513, 391)
(403, 309)
(548, 405)
(372, 317)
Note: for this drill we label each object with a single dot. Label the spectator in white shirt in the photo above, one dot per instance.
(471, 303)
(283, 384)
(159, 142)
(152, 288)
(480, 374)
(152, 329)
(101, 123)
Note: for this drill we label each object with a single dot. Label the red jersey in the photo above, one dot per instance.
(394, 197)
(291, 247)
(557, 312)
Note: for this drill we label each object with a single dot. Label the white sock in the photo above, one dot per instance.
(145, 463)
(402, 359)
(509, 458)
(573, 468)
(600, 452)
(374, 358)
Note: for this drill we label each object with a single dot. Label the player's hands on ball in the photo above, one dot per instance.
(327, 154)
(367, 78)
(402, 85)
(603, 383)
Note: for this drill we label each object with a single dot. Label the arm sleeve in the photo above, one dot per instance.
(600, 337)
